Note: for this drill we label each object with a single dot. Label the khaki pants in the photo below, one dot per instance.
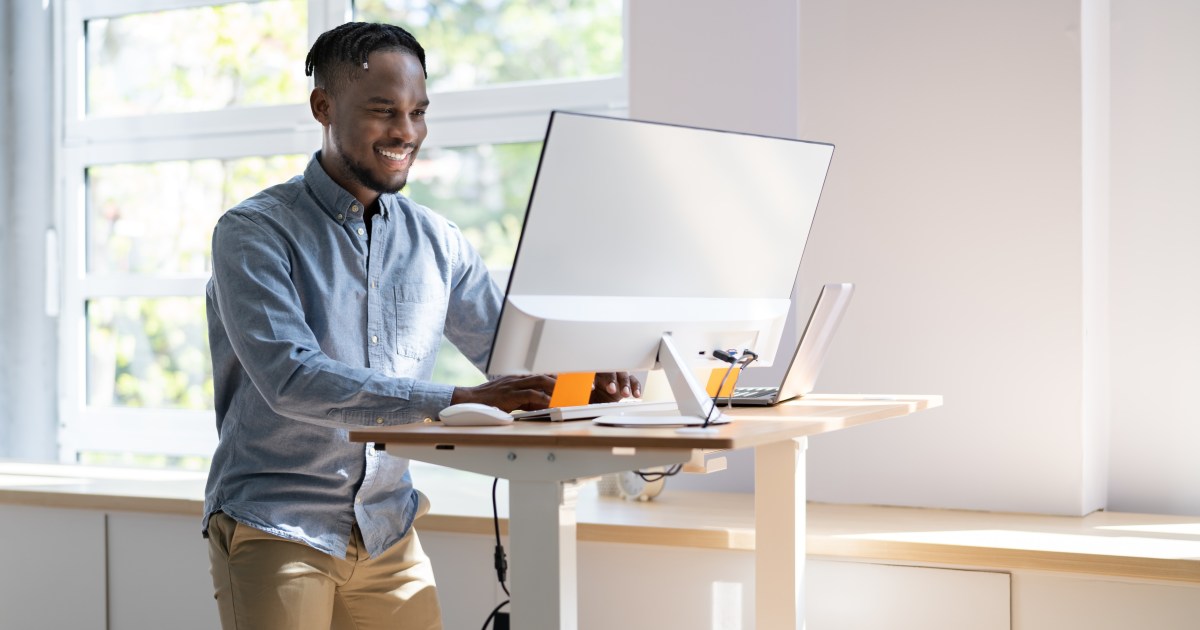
(263, 582)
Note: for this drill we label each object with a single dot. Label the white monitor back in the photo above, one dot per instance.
(637, 229)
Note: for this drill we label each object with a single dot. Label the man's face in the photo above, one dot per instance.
(374, 125)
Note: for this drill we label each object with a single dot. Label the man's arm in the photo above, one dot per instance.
(471, 320)
(260, 312)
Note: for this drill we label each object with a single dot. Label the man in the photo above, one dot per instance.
(329, 296)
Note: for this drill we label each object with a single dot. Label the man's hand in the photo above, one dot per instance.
(509, 392)
(613, 386)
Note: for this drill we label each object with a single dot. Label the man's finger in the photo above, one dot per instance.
(623, 384)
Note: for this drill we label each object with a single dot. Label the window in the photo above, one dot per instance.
(172, 111)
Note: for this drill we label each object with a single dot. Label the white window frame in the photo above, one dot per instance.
(490, 115)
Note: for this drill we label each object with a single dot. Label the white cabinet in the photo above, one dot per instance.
(636, 587)
(52, 569)
(1046, 601)
(862, 596)
(158, 574)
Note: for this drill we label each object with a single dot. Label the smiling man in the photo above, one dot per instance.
(329, 297)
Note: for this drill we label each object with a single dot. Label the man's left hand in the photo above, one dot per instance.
(613, 386)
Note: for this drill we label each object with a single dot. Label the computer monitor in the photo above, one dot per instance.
(648, 245)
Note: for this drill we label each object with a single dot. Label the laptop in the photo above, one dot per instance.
(810, 353)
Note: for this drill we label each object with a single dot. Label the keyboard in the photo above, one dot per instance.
(744, 393)
(595, 410)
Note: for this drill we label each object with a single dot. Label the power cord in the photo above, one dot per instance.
(499, 559)
(650, 477)
(730, 357)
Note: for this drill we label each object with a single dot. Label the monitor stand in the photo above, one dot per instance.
(693, 402)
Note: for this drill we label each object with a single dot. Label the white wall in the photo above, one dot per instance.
(969, 198)
(955, 203)
(1155, 456)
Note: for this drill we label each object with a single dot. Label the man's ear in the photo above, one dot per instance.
(321, 105)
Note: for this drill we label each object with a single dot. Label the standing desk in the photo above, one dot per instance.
(542, 462)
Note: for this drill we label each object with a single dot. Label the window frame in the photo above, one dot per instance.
(514, 112)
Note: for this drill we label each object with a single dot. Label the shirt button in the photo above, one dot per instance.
(354, 208)
(358, 500)
(341, 216)
(374, 339)
(378, 420)
(361, 231)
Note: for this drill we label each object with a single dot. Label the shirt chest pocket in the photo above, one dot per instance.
(420, 317)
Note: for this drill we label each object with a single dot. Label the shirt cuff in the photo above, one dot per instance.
(426, 399)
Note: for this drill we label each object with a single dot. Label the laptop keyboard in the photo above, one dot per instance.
(742, 393)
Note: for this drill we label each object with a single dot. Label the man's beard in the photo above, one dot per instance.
(364, 176)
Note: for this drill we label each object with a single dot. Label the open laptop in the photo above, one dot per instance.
(810, 353)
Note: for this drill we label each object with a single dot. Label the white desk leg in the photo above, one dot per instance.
(779, 504)
(541, 537)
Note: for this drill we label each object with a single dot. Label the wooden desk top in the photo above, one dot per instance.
(752, 426)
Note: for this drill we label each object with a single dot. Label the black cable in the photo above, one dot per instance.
(501, 562)
(748, 357)
(495, 611)
(717, 399)
(650, 477)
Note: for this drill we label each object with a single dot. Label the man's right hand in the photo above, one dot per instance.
(509, 392)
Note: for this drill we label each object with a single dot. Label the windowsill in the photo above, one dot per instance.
(1104, 543)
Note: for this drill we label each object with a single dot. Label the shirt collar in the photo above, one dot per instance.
(339, 204)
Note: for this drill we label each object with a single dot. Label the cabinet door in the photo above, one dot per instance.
(159, 570)
(51, 569)
(862, 596)
(1048, 601)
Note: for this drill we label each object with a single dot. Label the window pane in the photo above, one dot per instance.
(472, 43)
(148, 352)
(204, 58)
(157, 218)
(484, 189)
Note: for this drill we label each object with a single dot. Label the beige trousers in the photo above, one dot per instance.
(263, 582)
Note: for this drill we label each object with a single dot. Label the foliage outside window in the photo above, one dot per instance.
(472, 43)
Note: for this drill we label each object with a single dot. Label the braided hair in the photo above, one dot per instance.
(340, 53)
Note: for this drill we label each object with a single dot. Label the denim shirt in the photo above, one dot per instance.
(314, 333)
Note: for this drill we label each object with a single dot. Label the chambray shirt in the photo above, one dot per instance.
(314, 333)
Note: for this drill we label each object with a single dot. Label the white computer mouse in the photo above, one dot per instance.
(473, 415)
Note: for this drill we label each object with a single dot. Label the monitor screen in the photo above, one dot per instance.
(636, 230)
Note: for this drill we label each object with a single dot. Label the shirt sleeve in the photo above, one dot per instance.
(474, 309)
(261, 313)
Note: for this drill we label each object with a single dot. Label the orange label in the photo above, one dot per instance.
(714, 381)
(572, 389)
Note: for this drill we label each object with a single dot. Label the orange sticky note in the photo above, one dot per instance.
(572, 389)
(714, 381)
